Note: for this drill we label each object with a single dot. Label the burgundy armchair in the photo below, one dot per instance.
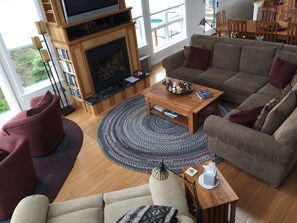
(42, 124)
(17, 174)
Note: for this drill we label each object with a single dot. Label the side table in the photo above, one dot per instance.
(217, 205)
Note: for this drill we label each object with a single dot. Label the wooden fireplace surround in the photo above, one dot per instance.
(73, 39)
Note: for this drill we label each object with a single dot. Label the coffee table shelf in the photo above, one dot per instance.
(182, 120)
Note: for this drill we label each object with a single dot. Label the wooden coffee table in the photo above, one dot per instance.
(215, 204)
(192, 109)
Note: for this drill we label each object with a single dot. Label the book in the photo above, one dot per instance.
(191, 171)
(170, 113)
(204, 94)
(159, 108)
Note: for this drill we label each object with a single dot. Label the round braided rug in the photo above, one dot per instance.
(132, 139)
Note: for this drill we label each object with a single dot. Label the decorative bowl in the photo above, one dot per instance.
(179, 88)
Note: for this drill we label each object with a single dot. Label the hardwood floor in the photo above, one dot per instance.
(93, 173)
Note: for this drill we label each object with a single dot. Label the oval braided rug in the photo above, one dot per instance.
(136, 141)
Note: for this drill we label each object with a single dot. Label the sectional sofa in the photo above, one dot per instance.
(241, 68)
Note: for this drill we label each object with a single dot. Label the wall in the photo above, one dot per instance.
(237, 9)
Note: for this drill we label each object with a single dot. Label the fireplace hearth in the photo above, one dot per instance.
(108, 64)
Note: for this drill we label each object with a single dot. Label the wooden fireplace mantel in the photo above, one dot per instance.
(72, 40)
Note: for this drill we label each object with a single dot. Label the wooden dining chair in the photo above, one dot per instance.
(266, 30)
(266, 14)
(221, 18)
(292, 33)
(237, 28)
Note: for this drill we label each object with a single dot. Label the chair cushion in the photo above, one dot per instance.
(246, 117)
(168, 193)
(281, 73)
(3, 154)
(150, 213)
(226, 56)
(279, 113)
(198, 58)
(41, 105)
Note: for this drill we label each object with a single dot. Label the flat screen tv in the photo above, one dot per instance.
(76, 10)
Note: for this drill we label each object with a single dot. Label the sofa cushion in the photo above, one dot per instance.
(214, 77)
(290, 85)
(281, 73)
(286, 133)
(41, 105)
(115, 211)
(226, 56)
(286, 55)
(244, 83)
(198, 58)
(263, 114)
(279, 113)
(150, 213)
(246, 117)
(271, 91)
(3, 154)
(169, 193)
(256, 59)
(186, 73)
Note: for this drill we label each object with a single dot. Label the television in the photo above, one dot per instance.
(76, 10)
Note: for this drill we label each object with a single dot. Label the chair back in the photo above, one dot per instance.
(292, 33)
(266, 30)
(237, 28)
(221, 18)
(266, 14)
(288, 14)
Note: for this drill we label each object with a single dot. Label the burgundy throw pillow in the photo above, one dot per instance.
(42, 104)
(198, 58)
(281, 73)
(246, 117)
(3, 154)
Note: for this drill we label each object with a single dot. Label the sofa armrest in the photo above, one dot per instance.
(31, 209)
(248, 140)
(173, 61)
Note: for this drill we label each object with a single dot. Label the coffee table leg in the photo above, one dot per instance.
(192, 122)
(147, 104)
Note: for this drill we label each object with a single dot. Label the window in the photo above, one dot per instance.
(210, 7)
(167, 22)
(138, 19)
(17, 33)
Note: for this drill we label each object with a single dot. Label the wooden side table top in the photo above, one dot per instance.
(181, 103)
(220, 195)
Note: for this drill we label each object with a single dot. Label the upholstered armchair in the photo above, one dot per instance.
(42, 124)
(17, 174)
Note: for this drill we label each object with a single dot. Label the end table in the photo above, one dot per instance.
(214, 204)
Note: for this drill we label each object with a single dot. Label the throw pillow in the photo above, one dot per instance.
(279, 113)
(150, 213)
(246, 117)
(187, 51)
(42, 104)
(266, 109)
(289, 86)
(281, 73)
(198, 58)
(3, 154)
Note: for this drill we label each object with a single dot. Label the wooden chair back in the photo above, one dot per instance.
(221, 18)
(287, 14)
(266, 14)
(266, 30)
(292, 33)
(237, 28)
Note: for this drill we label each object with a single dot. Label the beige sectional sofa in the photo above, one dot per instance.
(107, 207)
(241, 69)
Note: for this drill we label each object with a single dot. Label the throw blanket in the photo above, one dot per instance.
(150, 214)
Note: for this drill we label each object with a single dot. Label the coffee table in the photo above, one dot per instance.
(191, 109)
(215, 204)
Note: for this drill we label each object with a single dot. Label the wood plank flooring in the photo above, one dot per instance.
(93, 173)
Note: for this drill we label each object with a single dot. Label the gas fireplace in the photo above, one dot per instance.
(109, 64)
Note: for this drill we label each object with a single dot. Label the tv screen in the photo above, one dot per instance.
(75, 10)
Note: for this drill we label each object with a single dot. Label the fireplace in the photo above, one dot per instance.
(109, 64)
